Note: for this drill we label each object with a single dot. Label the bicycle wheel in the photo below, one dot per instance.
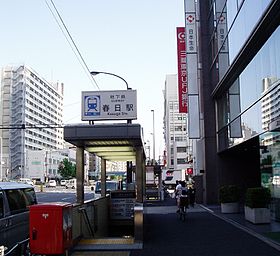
(183, 213)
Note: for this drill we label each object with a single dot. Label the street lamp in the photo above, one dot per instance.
(94, 73)
(153, 134)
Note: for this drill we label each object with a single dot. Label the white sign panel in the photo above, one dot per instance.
(192, 69)
(191, 45)
(109, 105)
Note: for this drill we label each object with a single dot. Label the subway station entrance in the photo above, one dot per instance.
(93, 222)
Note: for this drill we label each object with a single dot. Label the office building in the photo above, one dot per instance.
(178, 147)
(234, 49)
(31, 116)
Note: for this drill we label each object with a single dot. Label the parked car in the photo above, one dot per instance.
(15, 199)
(63, 182)
(110, 186)
(51, 184)
(26, 181)
(72, 183)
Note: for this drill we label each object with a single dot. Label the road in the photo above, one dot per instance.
(61, 194)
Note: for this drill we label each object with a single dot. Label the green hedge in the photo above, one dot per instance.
(258, 197)
(229, 194)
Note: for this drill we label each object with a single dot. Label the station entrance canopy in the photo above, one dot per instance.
(112, 142)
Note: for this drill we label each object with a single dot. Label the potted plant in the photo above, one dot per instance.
(229, 198)
(256, 205)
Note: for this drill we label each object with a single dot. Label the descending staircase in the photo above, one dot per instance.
(106, 247)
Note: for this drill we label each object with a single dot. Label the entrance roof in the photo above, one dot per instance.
(113, 142)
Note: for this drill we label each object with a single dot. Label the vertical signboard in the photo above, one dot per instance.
(222, 41)
(192, 70)
(182, 70)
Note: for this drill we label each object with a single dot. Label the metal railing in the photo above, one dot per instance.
(90, 219)
(21, 248)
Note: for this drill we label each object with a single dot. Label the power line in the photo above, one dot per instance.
(71, 104)
(31, 126)
(79, 56)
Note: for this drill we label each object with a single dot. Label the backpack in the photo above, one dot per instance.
(184, 192)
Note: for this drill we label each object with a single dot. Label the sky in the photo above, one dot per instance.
(132, 39)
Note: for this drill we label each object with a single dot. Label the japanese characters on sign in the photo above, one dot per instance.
(122, 204)
(222, 32)
(191, 46)
(182, 70)
(109, 105)
(192, 69)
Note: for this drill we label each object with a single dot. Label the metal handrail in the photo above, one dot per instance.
(12, 250)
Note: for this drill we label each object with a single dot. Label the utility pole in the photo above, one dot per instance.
(154, 149)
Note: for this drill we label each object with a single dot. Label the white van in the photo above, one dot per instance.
(15, 198)
(71, 183)
(26, 181)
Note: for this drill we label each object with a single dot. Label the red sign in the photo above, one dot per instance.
(189, 171)
(182, 70)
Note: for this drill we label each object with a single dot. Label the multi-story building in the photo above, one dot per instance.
(234, 69)
(43, 165)
(178, 148)
(31, 116)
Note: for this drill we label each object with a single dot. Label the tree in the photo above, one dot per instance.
(66, 169)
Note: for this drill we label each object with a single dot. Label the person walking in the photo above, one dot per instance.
(191, 191)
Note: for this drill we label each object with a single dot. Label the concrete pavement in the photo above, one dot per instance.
(205, 232)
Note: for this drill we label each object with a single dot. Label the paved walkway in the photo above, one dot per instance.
(205, 232)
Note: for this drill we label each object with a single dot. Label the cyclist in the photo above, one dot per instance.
(182, 195)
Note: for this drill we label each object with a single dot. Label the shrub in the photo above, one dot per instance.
(229, 194)
(258, 197)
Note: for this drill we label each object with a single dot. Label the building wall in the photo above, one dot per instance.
(239, 83)
(175, 127)
(43, 164)
(29, 106)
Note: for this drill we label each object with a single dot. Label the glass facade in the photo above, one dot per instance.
(251, 105)
(258, 98)
(234, 21)
(242, 18)
(270, 168)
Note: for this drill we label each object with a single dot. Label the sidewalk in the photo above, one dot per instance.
(261, 231)
(205, 232)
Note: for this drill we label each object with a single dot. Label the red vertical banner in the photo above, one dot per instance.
(182, 70)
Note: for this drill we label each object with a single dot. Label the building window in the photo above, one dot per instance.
(181, 161)
(179, 138)
(178, 128)
(181, 149)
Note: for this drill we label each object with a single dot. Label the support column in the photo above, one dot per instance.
(129, 172)
(103, 177)
(80, 174)
(139, 175)
(160, 186)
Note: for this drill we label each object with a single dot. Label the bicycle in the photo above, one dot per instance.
(183, 208)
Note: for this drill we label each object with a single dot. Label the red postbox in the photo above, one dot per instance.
(50, 228)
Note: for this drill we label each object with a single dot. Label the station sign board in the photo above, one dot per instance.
(122, 203)
(109, 105)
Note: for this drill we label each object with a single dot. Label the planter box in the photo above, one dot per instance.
(257, 215)
(230, 207)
